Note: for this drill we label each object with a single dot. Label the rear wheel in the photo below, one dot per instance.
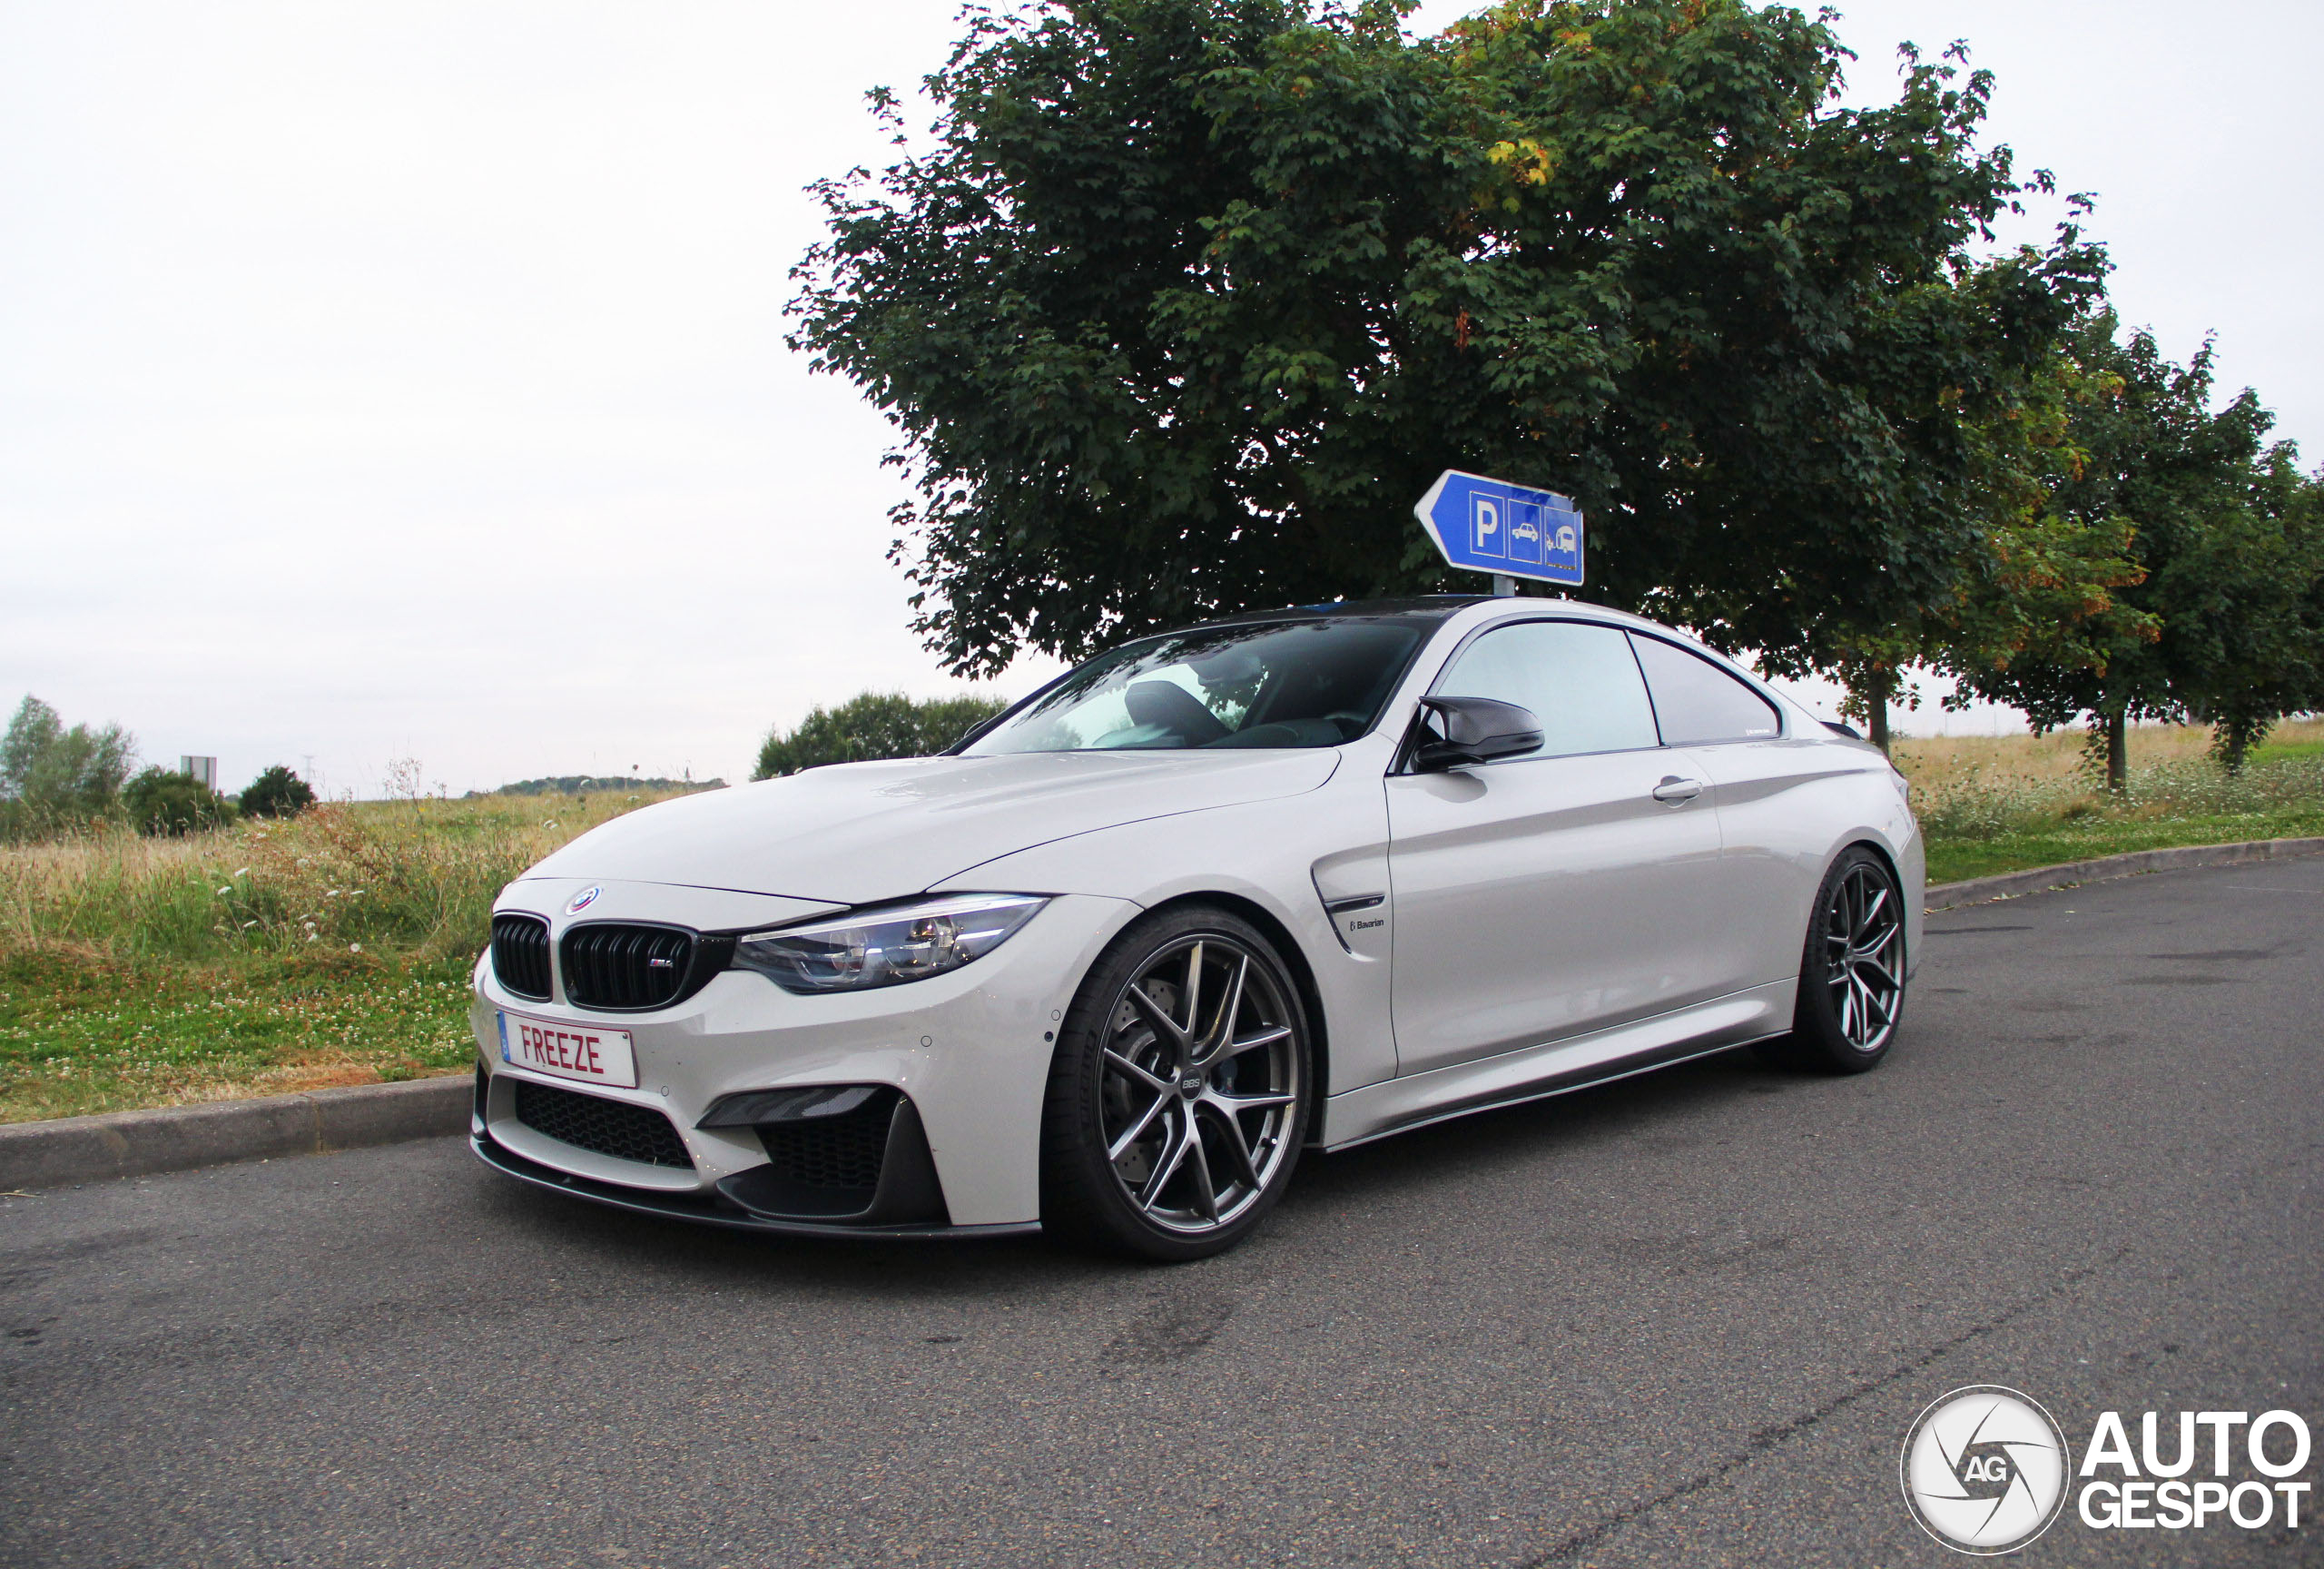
(1180, 1091)
(1852, 973)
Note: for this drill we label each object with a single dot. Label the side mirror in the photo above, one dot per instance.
(1475, 730)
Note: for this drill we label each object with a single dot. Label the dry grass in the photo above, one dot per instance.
(333, 948)
(415, 878)
(1932, 760)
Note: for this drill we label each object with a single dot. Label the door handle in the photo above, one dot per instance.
(1676, 791)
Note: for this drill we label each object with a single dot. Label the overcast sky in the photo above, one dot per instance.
(407, 380)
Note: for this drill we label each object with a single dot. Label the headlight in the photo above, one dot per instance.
(886, 947)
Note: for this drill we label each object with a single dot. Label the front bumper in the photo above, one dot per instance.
(970, 1050)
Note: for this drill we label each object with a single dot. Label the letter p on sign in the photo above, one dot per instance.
(1485, 521)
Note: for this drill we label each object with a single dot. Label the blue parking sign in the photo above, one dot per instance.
(1492, 526)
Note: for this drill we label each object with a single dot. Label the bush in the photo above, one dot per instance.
(277, 793)
(874, 724)
(166, 805)
(599, 784)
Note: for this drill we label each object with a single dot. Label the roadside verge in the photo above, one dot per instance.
(2041, 879)
(73, 1149)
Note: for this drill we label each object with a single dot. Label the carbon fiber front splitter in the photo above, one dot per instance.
(709, 1211)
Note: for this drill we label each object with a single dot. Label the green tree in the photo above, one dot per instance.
(1189, 299)
(166, 804)
(873, 724)
(2033, 582)
(277, 793)
(2248, 629)
(2223, 624)
(49, 774)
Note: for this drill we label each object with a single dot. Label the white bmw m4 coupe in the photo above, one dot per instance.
(1305, 877)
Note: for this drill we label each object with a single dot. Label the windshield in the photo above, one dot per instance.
(1274, 683)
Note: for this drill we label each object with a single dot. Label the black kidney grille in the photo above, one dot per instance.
(520, 955)
(842, 1151)
(612, 1128)
(626, 968)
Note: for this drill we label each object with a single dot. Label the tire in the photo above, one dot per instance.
(1189, 1024)
(1851, 972)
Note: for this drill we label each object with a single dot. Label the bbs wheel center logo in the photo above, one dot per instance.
(1985, 1469)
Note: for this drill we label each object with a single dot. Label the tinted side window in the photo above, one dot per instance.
(1697, 702)
(1579, 680)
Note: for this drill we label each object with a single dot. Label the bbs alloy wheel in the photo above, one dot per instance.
(1180, 1091)
(1864, 956)
(1852, 973)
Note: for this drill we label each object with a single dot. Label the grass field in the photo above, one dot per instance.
(2000, 804)
(335, 949)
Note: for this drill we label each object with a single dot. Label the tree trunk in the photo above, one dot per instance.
(1872, 693)
(2118, 753)
(2233, 738)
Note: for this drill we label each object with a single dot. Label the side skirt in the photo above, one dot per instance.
(1556, 1067)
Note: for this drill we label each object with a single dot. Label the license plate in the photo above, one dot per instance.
(583, 1052)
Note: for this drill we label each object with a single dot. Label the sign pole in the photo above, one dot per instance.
(1504, 587)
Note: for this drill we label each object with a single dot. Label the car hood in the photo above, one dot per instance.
(858, 832)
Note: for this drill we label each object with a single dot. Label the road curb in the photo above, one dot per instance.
(2042, 879)
(69, 1149)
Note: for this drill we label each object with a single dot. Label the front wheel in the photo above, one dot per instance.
(1180, 1091)
(1852, 973)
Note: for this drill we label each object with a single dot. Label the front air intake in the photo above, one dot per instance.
(613, 1128)
(632, 968)
(520, 955)
(844, 1152)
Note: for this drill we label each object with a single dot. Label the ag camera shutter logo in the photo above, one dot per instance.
(1985, 1469)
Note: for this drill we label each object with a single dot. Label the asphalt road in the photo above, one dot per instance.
(1687, 1319)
